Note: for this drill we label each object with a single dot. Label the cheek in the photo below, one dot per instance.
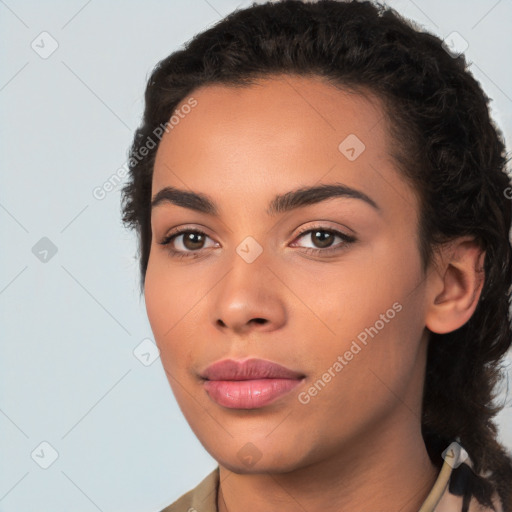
(167, 302)
(369, 308)
(169, 294)
(175, 300)
(157, 295)
(346, 297)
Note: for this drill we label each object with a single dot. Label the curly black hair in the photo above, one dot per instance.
(448, 149)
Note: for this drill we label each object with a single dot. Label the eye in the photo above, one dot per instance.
(192, 241)
(323, 238)
(188, 242)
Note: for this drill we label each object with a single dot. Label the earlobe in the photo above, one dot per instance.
(456, 285)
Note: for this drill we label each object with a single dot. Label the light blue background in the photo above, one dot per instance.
(68, 375)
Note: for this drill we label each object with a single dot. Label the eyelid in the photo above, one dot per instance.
(347, 240)
(174, 233)
(319, 225)
(186, 228)
(203, 230)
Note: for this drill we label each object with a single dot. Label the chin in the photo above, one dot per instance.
(239, 468)
(249, 460)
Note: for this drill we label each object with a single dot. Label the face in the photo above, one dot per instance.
(330, 287)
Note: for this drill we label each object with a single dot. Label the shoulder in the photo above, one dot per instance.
(463, 486)
(202, 498)
(453, 503)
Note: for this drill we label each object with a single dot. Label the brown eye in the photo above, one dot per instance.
(193, 240)
(186, 242)
(322, 238)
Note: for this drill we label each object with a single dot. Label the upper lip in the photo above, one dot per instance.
(230, 369)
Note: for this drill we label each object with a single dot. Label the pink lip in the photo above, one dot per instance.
(249, 384)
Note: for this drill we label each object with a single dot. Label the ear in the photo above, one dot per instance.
(455, 285)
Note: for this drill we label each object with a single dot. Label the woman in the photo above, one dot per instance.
(323, 218)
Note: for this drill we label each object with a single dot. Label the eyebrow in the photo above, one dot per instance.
(279, 204)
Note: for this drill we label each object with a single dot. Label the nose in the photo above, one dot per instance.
(249, 298)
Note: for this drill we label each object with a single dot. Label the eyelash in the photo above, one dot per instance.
(347, 240)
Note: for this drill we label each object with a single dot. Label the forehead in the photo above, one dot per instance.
(281, 131)
(281, 111)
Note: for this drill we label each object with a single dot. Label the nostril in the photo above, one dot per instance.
(259, 320)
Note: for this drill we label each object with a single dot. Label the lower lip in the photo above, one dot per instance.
(248, 394)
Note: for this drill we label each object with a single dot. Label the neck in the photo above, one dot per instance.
(385, 469)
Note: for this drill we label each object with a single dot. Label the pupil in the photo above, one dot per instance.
(326, 238)
(189, 241)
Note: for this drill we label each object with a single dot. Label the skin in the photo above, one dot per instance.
(357, 444)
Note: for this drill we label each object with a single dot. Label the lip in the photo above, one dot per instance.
(248, 384)
(230, 369)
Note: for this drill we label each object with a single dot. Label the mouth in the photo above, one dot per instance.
(249, 384)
